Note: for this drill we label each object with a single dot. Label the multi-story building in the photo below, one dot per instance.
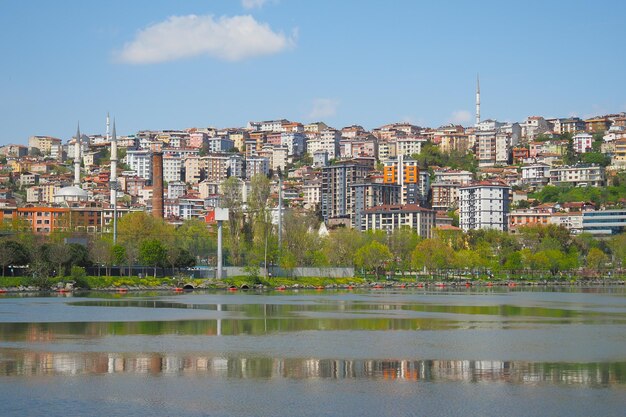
(405, 172)
(528, 217)
(367, 194)
(572, 221)
(619, 154)
(445, 195)
(312, 192)
(484, 205)
(486, 147)
(176, 189)
(391, 217)
(42, 193)
(17, 151)
(336, 202)
(572, 125)
(294, 141)
(535, 174)
(328, 140)
(604, 222)
(256, 166)
(533, 127)
(578, 176)
(453, 175)
(320, 158)
(43, 143)
(597, 124)
(140, 161)
(582, 142)
(172, 168)
(220, 144)
(409, 146)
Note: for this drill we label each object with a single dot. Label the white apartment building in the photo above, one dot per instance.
(578, 176)
(572, 221)
(294, 141)
(220, 144)
(583, 142)
(409, 146)
(484, 205)
(328, 141)
(176, 189)
(535, 174)
(172, 168)
(140, 161)
(257, 165)
(312, 192)
(454, 175)
(390, 217)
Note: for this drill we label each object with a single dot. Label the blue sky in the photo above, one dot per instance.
(162, 64)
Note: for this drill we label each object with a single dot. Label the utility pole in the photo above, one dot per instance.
(280, 211)
(221, 214)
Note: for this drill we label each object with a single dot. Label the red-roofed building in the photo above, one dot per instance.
(389, 217)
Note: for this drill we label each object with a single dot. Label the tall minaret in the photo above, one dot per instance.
(113, 175)
(477, 100)
(108, 130)
(77, 157)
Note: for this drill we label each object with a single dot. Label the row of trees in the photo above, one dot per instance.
(142, 240)
(252, 240)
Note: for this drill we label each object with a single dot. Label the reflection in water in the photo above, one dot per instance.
(20, 363)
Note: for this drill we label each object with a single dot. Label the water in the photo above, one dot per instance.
(514, 352)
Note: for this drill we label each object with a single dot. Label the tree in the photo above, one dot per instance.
(432, 254)
(341, 245)
(59, 254)
(618, 248)
(101, 252)
(301, 242)
(179, 258)
(596, 259)
(152, 253)
(196, 238)
(231, 199)
(402, 242)
(373, 257)
(12, 253)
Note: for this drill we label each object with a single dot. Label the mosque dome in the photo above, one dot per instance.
(71, 193)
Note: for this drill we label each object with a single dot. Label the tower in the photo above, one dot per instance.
(477, 100)
(108, 131)
(157, 184)
(113, 175)
(77, 157)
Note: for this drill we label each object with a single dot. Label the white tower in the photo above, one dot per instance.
(77, 157)
(477, 100)
(113, 176)
(108, 130)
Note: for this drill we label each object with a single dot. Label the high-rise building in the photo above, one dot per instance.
(336, 194)
(404, 172)
(484, 205)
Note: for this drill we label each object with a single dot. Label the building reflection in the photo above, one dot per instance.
(29, 363)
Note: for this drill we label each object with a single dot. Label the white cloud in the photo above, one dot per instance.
(461, 117)
(323, 108)
(253, 4)
(227, 38)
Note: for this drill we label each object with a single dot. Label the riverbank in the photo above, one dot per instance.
(134, 284)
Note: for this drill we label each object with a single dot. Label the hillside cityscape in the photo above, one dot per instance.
(566, 175)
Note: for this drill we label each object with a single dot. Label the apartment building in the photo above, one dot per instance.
(578, 176)
(391, 217)
(484, 205)
(337, 204)
(405, 172)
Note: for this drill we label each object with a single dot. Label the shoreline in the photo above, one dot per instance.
(373, 285)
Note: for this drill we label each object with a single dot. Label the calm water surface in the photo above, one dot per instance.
(513, 352)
